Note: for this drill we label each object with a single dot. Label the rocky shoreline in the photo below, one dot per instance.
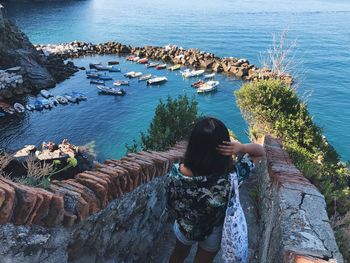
(239, 68)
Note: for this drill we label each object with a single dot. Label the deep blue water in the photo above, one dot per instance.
(227, 28)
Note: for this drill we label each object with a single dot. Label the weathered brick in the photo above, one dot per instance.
(69, 219)
(104, 181)
(7, 205)
(97, 188)
(56, 211)
(43, 210)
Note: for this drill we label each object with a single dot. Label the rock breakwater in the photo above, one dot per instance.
(239, 68)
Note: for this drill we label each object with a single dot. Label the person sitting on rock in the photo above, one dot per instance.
(198, 188)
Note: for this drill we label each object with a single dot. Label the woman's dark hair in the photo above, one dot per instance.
(201, 155)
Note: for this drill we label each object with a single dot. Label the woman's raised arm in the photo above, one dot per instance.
(255, 151)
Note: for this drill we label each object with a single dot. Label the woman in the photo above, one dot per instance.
(199, 188)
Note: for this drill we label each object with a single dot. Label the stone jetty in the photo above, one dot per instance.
(239, 68)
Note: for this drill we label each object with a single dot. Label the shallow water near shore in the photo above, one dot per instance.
(230, 28)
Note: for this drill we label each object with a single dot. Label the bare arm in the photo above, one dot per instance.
(254, 150)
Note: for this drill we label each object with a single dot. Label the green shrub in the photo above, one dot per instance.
(172, 121)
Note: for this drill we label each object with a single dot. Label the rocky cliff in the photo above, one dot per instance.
(38, 71)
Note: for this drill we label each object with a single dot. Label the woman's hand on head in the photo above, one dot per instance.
(230, 148)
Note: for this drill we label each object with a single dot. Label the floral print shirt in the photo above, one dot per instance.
(200, 202)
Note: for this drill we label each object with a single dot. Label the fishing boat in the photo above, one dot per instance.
(45, 93)
(130, 58)
(61, 99)
(133, 74)
(19, 107)
(7, 107)
(143, 61)
(102, 67)
(113, 62)
(209, 76)
(145, 77)
(208, 87)
(38, 105)
(70, 98)
(111, 91)
(97, 81)
(136, 59)
(91, 71)
(175, 67)
(152, 65)
(113, 69)
(93, 65)
(93, 75)
(157, 80)
(161, 66)
(54, 101)
(80, 96)
(197, 84)
(192, 73)
(30, 107)
(105, 77)
(121, 83)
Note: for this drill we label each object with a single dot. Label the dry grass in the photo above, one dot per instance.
(342, 229)
(37, 169)
(5, 159)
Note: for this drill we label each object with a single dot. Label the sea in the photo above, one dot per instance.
(318, 30)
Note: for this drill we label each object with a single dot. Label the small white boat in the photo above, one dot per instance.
(45, 94)
(192, 73)
(61, 99)
(209, 76)
(46, 103)
(111, 91)
(158, 80)
(30, 107)
(133, 74)
(208, 86)
(19, 107)
(121, 83)
(102, 67)
(128, 74)
(70, 98)
(54, 101)
(145, 77)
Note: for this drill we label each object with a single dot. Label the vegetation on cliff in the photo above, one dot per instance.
(274, 107)
(172, 121)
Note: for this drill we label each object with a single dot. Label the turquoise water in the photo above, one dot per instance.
(227, 28)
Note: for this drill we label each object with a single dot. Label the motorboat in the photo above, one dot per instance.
(93, 65)
(93, 75)
(113, 69)
(45, 94)
(54, 101)
(197, 84)
(102, 67)
(61, 99)
(157, 80)
(175, 67)
(133, 74)
(91, 71)
(161, 66)
(97, 81)
(79, 95)
(208, 87)
(30, 107)
(46, 103)
(128, 74)
(145, 77)
(38, 105)
(19, 107)
(121, 83)
(152, 65)
(113, 62)
(192, 73)
(7, 107)
(136, 59)
(70, 98)
(111, 91)
(130, 58)
(143, 61)
(105, 77)
(209, 76)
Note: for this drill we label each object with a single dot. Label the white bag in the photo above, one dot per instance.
(234, 243)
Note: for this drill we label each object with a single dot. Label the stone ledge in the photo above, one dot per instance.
(71, 201)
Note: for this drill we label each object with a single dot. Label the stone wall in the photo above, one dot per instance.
(112, 214)
(294, 223)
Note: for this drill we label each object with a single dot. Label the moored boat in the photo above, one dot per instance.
(128, 74)
(111, 91)
(208, 87)
(45, 94)
(61, 99)
(130, 58)
(105, 77)
(93, 65)
(143, 61)
(197, 84)
(102, 67)
(121, 83)
(113, 69)
(136, 59)
(70, 98)
(80, 96)
(209, 76)
(38, 105)
(152, 65)
(54, 101)
(30, 107)
(145, 77)
(46, 103)
(133, 74)
(192, 73)
(97, 81)
(175, 67)
(113, 62)
(161, 66)
(157, 80)
(19, 107)
(91, 71)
